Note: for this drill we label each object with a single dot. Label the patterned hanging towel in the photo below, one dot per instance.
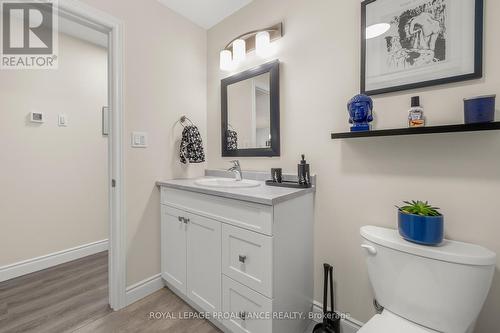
(191, 146)
(232, 140)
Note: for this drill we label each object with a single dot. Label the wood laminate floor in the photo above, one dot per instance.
(73, 297)
(57, 299)
(136, 317)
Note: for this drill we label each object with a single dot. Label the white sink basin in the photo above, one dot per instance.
(226, 183)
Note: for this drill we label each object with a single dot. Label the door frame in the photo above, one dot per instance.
(80, 12)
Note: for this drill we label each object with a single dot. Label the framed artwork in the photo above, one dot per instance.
(408, 44)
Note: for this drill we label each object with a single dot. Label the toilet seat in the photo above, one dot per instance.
(388, 322)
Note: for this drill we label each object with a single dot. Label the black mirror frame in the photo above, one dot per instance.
(272, 68)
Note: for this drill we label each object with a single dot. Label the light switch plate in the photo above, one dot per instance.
(62, 120)
(139, 139)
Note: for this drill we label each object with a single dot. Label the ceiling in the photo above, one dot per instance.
(205, 13)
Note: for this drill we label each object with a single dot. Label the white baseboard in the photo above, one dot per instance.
(53, 259)
(144, 288)
(348, 325)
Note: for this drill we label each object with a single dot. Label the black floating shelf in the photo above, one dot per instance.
(420, 130)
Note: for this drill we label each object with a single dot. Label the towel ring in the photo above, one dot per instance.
(185, 119)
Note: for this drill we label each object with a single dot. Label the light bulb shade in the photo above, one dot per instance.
(262, 43)
(239, 50)
(226, 61)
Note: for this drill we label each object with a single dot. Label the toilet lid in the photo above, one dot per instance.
(388, 322)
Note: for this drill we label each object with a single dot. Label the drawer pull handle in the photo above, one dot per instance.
(185, 220)
(242, 258)
(243, 315)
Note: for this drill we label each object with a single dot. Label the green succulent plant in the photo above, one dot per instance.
(419, 208)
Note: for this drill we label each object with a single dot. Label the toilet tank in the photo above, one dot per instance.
(442, 288)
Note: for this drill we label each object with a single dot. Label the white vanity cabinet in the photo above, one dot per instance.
(251, 263)
(193, 262)
(174, 242)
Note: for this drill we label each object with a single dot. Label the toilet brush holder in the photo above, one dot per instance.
(332, 319)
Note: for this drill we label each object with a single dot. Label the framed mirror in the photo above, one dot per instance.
(250, 122)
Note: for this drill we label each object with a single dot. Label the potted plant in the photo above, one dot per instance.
(420, 223)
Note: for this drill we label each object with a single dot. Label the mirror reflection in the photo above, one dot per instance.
(249, 113)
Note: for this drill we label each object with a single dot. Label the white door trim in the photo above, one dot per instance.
(77, 11)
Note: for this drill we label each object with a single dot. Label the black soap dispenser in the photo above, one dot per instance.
(304, 172)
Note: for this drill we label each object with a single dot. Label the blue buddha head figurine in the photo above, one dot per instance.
(360, 112)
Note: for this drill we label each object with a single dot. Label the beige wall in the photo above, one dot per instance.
(165, 77)
(47, 172)
(360, 181)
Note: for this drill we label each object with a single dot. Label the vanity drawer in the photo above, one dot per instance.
(243, 214)
(245, 305)
(247, 258)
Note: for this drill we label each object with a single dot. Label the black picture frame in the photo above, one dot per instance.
(274, 150)
(478, 56)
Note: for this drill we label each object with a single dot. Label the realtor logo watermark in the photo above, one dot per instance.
(29, 34)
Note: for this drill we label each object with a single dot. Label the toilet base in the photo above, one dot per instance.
(388, 322)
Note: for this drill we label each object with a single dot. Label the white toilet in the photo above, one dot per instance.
(422, 288)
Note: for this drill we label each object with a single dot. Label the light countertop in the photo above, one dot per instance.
(263, 194)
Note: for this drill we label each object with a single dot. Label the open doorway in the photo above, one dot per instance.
(61, 159)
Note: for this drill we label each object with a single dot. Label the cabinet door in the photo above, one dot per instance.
(173, 248)
(204, 262)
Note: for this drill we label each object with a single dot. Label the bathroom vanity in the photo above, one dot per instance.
(243, 255)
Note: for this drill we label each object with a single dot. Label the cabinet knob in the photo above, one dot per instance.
(242, 258)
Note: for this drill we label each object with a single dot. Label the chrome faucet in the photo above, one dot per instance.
(236, 169)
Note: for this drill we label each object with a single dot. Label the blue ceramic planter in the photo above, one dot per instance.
(425, 230)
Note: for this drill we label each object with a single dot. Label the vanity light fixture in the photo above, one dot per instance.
(226, 60)
(239, 50)
(259, 40)
(376, 30)
(262, 43)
